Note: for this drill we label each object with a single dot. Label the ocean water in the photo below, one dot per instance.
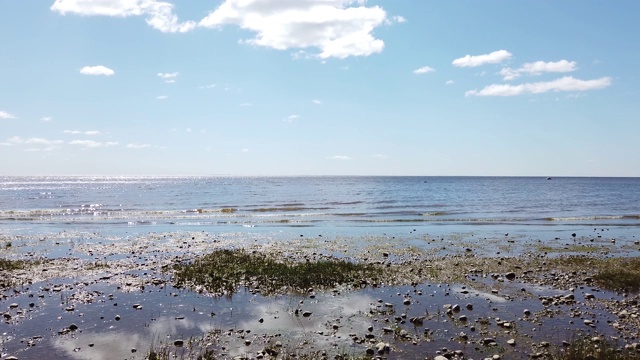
(348, 205)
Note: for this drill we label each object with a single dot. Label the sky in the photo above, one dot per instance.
(320, 87)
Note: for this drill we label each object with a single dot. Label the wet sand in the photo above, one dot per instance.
(462, 295)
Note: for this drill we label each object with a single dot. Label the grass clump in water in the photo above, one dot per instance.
(8, 265)
(621, 274)
(223, 271)
(595, 349)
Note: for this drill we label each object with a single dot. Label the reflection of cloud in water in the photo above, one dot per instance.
(472, 292)
(349, 312)
(117, 345)
(107, 346)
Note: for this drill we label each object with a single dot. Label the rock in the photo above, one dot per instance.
(469, 307)
(463, 318)
(511, 342)
(527, 312)
(137, 306)
(117, 317)
(510, 275)
(73, 327)
(589, 323)
(306, 313)
(440, 357)
(455, 308)
(13, 306)
(178, 343)
(407, 302)
(488, 341)
(11, 358)
(382, 347)
(589, 296)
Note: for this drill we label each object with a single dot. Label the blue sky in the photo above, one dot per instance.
(319, 87)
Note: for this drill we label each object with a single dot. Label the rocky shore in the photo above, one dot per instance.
(78, 295)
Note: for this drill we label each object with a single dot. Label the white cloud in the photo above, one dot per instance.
(380, 156)
(16, 140)
(167, 75)
(169, 78)
(335, 27)
(317, 102)
(138, 146)
(292, 118)
(41, 141)
(97, 70)
(77, 132)
(159, 14)
(162, 97)
(340, 157)
(210, 86)
(477, 60)
(46, 119)
(566, 83)
(246, 104)
(449, 82)
(245, 150)
(92, 143)
(32, 141)
(6, 115)
(537, 68)
(424, 70)
(398, 19)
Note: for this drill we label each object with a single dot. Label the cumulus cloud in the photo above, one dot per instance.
(537, 68)
(317, 102)
(335, 27)
(292, 118)
(32, 141)
(424, 70)
(246, 104)
(210, 86)
(77, 132)
(340, 157)
(162, 97)
(398, 19)
(566, 83)
(169, 78)
(92, 143)
(137, 146)
(41, 141)
(46, 119)
(477, 60)
(167, 75)
(449, 82)
(6, 115)
(159, 14)
(97, 70)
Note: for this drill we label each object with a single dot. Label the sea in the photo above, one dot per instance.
(347, 205)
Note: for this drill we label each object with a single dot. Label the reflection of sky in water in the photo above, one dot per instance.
(348, 312)
(475, 293)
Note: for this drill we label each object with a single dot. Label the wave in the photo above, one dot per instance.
(292, 214)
